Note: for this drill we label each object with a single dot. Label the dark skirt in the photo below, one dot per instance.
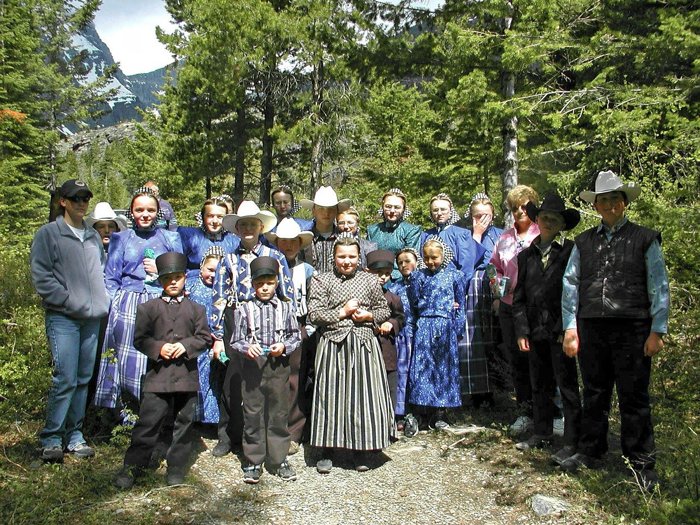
(352, 405)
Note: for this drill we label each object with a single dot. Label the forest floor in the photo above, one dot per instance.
(468, 474)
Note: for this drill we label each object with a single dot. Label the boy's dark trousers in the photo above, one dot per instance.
(519, 367)
(611, 353)
(155, 408)
(549, 364)
(230, 426)
(265, 394)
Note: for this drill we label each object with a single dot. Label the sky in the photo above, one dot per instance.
(128, 27)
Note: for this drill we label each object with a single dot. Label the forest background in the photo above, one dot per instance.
(364, 96)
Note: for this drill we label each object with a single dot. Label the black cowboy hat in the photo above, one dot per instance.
(555, 204)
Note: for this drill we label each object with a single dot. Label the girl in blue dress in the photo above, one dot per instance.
(437, 295)
(209, 364)
(407, 262)
(131, 278)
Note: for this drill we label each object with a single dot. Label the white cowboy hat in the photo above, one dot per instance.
(288, 228)
(104, 212)
(326, 197)
(250, 209)
(607, 182)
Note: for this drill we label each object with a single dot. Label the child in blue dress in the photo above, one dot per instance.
(437, 295)
(407, 262)
(200, 288)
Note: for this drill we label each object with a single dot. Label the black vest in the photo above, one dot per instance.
(613, 273)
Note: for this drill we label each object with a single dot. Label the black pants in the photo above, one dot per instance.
(611, 354)
(155, 409)
(550, 367)
(230, 427)
(266, 411)
(519, 362)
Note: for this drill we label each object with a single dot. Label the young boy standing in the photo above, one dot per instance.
(538, 328)
(265, 330)
(381, 263)
(172, 331)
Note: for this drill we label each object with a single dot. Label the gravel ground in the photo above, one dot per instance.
(435, 477)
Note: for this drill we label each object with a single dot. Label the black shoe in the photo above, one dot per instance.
(647, 479)
(439, 421)
(361, 458)
(251, 474)
(580, 460)
(174, 477)
(562, 454)
(221, 449)
(125, 478)
(52, 454)
(534, 441)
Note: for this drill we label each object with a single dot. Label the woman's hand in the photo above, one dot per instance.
(362, 316)
(150, 265)
(386, 328)
(349, 308)
(480, 225)
(524, 344)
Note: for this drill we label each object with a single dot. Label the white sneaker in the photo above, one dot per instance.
(521, 425)
(558, 427)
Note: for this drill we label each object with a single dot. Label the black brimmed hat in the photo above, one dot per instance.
(264, 265)
(171, 262)
(553, 203)
(380, 259)
(73, 187)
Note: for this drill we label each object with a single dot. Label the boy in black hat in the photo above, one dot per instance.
(172, 331)
(381, 263)
(538, 326)
(266, 331)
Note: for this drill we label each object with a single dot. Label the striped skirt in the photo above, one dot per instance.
(479, 338)
(122, 367)
(352, 406)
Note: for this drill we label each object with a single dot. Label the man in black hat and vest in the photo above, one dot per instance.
(615, 306)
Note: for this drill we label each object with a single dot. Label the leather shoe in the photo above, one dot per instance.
(579, 460)
(221, 449)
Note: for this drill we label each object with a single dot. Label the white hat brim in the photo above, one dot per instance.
(304, 236)
(119, 220)
(631, 190)
(267, 218)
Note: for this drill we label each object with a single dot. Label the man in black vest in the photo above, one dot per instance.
(615, 306)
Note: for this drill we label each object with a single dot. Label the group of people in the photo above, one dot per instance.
(280, 330)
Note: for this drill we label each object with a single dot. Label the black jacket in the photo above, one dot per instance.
(537, 296)
(157, 323)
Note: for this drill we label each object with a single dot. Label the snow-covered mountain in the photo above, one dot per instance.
(132, 92)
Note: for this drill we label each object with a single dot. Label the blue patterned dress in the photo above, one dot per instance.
(433, 378)
(207, 410)
(404, 345)
(196, 242)
(122, 367)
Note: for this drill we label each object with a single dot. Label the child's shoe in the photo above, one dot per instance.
(410, 425)
(286, 472)
(125, 477)
(251, 474)
(174, 477)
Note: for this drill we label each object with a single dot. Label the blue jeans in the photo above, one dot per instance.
(73, 344)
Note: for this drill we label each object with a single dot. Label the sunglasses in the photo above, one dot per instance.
(77, 198)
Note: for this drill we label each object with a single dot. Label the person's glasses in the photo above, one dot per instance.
(78, 198)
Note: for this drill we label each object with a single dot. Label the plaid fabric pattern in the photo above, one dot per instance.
(122, 367)
(479, 338)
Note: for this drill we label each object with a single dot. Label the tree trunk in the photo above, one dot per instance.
(267, 146)
(509, 176)
(240, 143)
(317, 144)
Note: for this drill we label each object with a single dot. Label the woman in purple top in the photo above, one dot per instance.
(131, 278)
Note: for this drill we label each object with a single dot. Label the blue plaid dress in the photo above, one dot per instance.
(122, 367)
